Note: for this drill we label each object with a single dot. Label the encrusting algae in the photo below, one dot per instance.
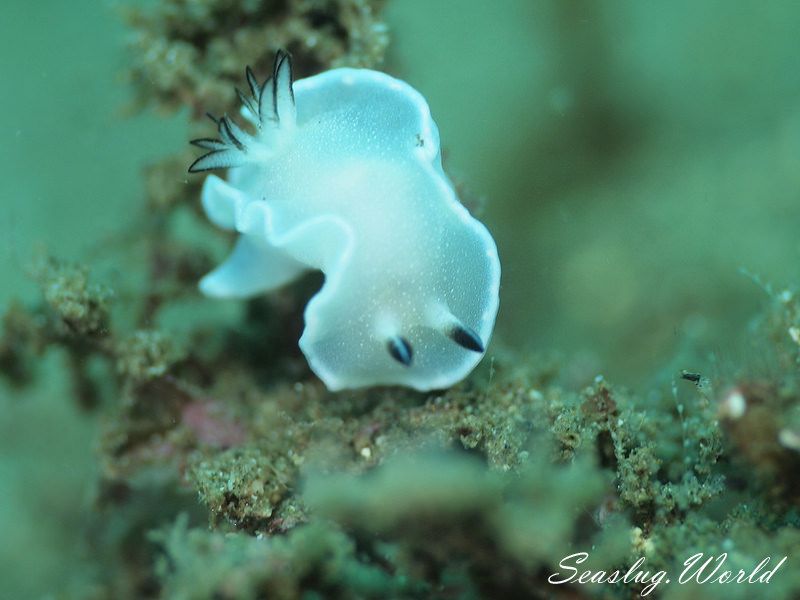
(474, 492)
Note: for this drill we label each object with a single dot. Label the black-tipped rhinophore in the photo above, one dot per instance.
(400, 350)
(466, 338)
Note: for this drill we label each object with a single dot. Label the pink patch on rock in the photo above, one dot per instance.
(210, 427)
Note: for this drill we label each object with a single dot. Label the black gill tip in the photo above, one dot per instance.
(400, 350)
(277, 62)
(193, 168)
(466, 338)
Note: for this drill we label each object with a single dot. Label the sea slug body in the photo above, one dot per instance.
(342, 173)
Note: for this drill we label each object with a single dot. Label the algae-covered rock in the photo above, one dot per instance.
(146, 355)
(82, 307)
(313, 561)
(189, 53)
(242, 483)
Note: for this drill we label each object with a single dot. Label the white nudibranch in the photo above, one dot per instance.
(342, 172)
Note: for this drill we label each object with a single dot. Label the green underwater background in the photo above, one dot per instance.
(638, 165)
